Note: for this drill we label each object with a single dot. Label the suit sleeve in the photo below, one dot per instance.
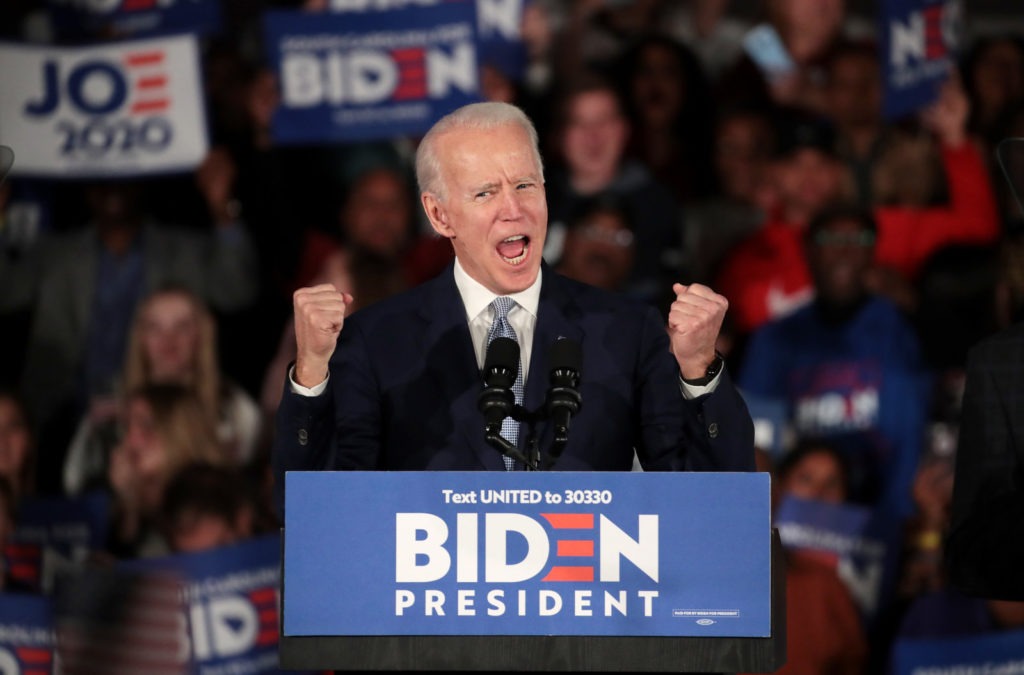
(985, 547)
(711, 433)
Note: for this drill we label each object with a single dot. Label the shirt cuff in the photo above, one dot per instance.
(318, 389)
(692, 391)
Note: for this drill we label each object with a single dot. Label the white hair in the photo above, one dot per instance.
(480, 116)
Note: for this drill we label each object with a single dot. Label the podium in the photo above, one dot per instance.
(526, 571)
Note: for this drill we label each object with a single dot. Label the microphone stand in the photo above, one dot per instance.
(531, 460)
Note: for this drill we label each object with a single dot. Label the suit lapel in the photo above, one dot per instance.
(449, 348)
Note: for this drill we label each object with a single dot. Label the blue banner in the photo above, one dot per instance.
(862, 543)
(919, 39)
(76, 19)
(231, 603)
(26, 635)
(516, 553)
(772, 430)
(976, 654)
(69, 528)
(366, 76)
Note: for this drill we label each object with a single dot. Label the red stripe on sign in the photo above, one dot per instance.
(130, 5)
(570, 574)
(24, 571)
(402, 55)
(29, 655)
(409, 91)
(151, 82)
(416, 71)
(33, 671)
(143, 59)
(575, 547)
(150, 106)
(266, 637)
(263, 595)
(268, 615)
(570, 521)
(22, 550)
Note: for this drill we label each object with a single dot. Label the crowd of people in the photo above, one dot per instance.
(147, 323)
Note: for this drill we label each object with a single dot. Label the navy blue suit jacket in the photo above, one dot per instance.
(404, 383)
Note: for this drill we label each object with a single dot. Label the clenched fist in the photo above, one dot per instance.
(694, 320)
(319, 316)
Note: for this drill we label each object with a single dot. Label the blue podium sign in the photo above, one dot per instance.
(517, 553)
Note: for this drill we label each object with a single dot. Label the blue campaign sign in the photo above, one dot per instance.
(134, 18)
(231, 603)
(26, 634)
(1001, 652)
(516, 553)
(371, 75)
(862, 542)
(918, 46)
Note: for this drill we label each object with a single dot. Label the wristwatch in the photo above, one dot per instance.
(714, 368)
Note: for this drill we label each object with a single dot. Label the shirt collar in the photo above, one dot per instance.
(476, 297)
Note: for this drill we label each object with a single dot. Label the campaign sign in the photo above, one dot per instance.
(498, 25)
(371, 75)
(125, 109)
(26, 635)
(231, 603)
(55, 526)
(134, 18)
(861, 542)
(919, 39)
(1001, 652)
(517, 553)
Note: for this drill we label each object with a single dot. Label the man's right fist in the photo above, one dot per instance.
(319, 316)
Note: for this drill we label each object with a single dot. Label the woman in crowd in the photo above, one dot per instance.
(173, 340)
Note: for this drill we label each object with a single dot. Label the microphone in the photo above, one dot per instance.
(564, 399)
(501, 366)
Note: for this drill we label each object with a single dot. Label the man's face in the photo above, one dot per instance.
(599, 252)
(376, 217)
(839, 256)
(494, 210)
(595, 135)
(808, 179)
(855, 91)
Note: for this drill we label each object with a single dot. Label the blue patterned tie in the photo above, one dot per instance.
(501, 306)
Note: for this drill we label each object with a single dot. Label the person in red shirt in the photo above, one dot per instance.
(766, 275)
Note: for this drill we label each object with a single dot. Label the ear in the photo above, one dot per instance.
(437, 215)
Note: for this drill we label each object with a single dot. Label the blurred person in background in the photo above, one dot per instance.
(85, 285)
(599, 246)
(173, 340)
(17, 445)
(207, 506)
(848, 366)
(671, 114)
(165, 428)
(766, 276)
(589, 150)
(743, 148)
(824, 630)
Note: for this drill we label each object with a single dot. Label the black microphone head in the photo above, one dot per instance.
(566, 355)
(502, 359)
(6, 161)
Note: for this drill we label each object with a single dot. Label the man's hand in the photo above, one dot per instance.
(694, 321)
(319, 316)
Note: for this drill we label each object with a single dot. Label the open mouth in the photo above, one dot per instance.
(513, 249)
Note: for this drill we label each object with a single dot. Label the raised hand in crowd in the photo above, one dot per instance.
(215, 179)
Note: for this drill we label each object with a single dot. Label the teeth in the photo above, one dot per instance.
(522, 256)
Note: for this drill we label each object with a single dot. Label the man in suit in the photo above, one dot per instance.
(395, 385)
(985, 547)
